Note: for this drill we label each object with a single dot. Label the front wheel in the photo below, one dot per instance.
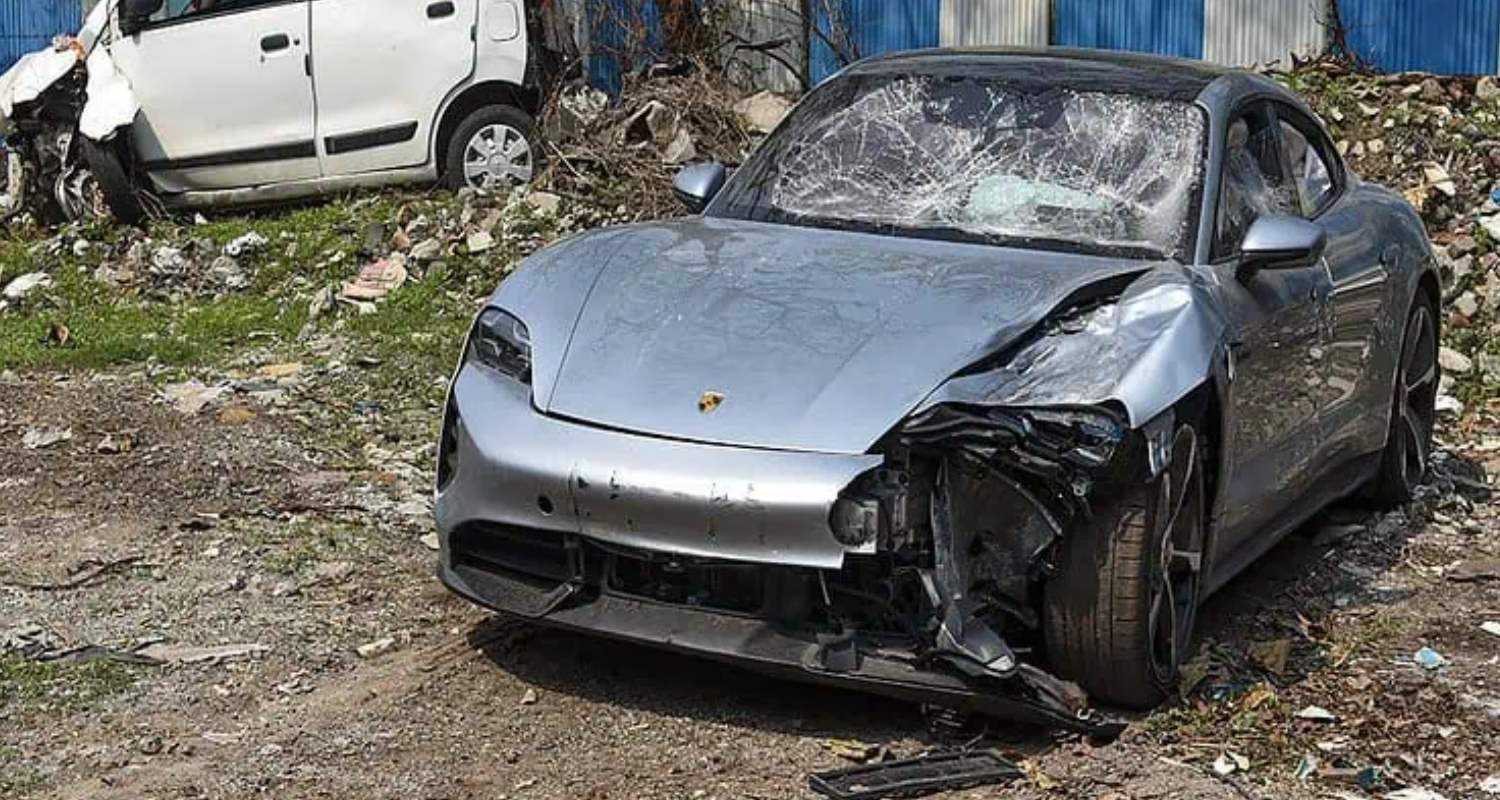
(1119, 614)
(491, 150)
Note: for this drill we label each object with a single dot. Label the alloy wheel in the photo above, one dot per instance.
(1416, 396)
(497, 156)
(1175, 575)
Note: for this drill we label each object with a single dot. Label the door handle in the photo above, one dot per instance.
(275, 42)
(438, 10)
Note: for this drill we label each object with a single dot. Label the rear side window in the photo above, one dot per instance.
(1252, 186)
(1310, 172)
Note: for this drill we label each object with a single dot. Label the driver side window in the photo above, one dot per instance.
(1254, 185)
(178, 9)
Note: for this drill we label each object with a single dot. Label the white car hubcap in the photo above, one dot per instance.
(497, 156)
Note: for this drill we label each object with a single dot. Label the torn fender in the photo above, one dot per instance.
(31, 76)
(1161, 339)
(112, 103)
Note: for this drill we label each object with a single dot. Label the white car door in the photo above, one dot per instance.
(382, 69)
(226, 100)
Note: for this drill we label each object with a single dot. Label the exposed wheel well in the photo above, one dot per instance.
(1205, 406)
(490, 93)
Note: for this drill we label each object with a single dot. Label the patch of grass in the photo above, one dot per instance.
(298, 547)
(34, 686)
(16, 776)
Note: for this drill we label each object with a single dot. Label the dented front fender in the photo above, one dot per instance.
(1163, 337)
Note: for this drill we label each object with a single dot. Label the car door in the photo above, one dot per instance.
(1359, 271)
(226, 101)
(1276, 342)
(382, 69)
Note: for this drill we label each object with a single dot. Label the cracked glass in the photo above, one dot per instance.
(978, 159)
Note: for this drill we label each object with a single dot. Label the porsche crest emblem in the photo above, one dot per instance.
(710, 402)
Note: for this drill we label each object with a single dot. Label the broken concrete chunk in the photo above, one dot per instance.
(191, 397)
(544, 202)
(1454, 361)
(376, 647)
(244, 245)
(17, 289)
(45, 437)
(480, 242)
(681, 150)
(181, 654)
(1317, 714)
(225, 274)
(375, 281)
(427, 250)
(762, 112)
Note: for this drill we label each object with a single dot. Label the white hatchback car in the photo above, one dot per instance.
(218, 102)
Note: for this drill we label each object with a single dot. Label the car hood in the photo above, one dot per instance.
(798, 339)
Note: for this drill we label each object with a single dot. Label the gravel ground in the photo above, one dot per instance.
(297, 527)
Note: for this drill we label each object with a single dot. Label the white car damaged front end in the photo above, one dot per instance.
(48, 100)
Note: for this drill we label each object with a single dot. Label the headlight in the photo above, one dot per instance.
(501, 343)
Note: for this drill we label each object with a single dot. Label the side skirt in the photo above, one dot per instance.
(1340, 482)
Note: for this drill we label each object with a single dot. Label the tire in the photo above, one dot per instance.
(480, 121)
(1103, 610)
(1408, 445)
(114, 182)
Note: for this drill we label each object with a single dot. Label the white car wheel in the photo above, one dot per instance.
(497, 156)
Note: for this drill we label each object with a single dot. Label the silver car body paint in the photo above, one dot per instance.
(526, 469)
(819, 340)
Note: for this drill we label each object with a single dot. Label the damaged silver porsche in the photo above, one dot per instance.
(967, 388)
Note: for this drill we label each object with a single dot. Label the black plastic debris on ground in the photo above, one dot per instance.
(916, 777)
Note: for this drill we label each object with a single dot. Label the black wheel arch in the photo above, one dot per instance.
(471, 99)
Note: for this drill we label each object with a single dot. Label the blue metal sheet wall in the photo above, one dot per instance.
(623, 35)
(1167, 27)
(879, 26)
(27, 25)
(1456, 37)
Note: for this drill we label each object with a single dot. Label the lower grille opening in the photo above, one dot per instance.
(536, 556)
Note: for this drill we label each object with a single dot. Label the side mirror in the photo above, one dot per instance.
(135, 13)
(1280, 243)
(697, 184)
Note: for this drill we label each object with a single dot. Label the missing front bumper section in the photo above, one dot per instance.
(779, 620)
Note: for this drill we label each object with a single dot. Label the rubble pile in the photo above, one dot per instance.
(619, 157)
(1436, 140)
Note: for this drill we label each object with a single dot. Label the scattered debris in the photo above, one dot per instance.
(376, 280)
(1492, 628)
(1414, 793)
(191, 397)
(480, 242)
(430, 541)
(245, 245)
(1476, 570)
(1427, 658)
(1272, 656)
(529, 698)
(376, 647)
(1230, 762)
(218, 654)
(45, 437)
(1317, 714)
(762, 112)
(916, 777)
(18, 289)
(852, 749)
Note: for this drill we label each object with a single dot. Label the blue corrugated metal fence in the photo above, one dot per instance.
(27, 25)
(874, 27)
(1168, 27)
(1454, 37)
(1442, 36)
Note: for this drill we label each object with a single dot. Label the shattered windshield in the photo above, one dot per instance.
(977, 159)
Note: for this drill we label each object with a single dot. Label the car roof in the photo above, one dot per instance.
(1092, 70)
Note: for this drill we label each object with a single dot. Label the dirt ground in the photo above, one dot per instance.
(295, 524)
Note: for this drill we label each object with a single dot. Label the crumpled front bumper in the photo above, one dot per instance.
(514, 466)
(537, 515)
